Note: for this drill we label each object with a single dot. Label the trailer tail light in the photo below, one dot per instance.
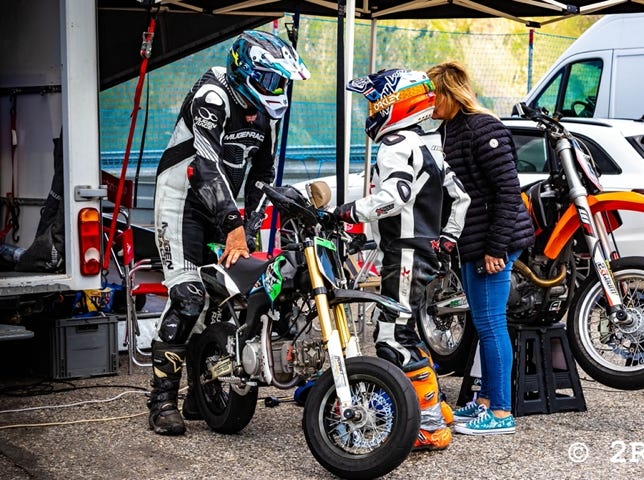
(89, 236)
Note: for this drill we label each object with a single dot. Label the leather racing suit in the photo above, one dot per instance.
(199, 177)
(406, 216)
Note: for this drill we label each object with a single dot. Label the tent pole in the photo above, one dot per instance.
(348, 66)
(340, 108)
(284, 136)
(372, 68)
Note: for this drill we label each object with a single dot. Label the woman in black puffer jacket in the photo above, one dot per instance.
(480, 150)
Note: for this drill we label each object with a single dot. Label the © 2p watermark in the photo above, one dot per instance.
(620, 451)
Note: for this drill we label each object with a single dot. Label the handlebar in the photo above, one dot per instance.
(541, 117)
(289, 201)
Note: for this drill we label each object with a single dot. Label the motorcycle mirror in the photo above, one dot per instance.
(319, 193)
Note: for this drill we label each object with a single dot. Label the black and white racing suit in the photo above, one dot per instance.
(404, 210)
(200, 175)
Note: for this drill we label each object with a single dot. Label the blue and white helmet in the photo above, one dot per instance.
(398, 98)
(259, 66)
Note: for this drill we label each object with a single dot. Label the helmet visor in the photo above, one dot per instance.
(269, 83)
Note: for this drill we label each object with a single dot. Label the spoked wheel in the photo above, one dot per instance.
(444, 324)
(383, 430)
(225, 408)
(611, 354)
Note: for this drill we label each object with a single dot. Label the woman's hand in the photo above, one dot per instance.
(493, 264)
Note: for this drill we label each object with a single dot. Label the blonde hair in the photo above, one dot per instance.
(451, 81)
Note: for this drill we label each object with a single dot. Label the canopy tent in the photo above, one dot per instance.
(187, 26)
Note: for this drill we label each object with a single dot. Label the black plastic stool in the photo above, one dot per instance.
(537, 382)
(528, 382)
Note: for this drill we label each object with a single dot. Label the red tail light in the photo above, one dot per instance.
(89, 239)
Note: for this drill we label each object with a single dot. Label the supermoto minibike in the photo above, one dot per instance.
(286, 320)
(604, 303)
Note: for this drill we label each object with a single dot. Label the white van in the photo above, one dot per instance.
(600, 74)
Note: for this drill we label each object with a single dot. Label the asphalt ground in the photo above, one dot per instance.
(96, 428)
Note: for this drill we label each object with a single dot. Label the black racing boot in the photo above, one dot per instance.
(190, 409)
(167, 363)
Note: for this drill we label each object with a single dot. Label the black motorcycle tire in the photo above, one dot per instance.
(450, 354)
(592, 339)
(387, 387)
(223, 408)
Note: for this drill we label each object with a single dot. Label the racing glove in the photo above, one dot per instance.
(346, 212)
(251, 227)
(444, 255)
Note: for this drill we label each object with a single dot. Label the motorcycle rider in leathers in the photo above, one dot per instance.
(228, 120)
(405, 210)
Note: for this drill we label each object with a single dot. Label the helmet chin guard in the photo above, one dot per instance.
(259, 66)
(398, 98)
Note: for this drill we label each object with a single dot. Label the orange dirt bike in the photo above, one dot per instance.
(574, 220)
(283, 321)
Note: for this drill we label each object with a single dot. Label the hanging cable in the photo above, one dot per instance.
(142, 147)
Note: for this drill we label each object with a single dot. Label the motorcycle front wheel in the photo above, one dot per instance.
(611, 354)
(225, 408)
(381, 433)
(444, 324)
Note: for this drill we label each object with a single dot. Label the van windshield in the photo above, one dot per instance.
(573, 90)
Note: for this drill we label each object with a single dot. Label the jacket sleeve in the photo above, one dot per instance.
(262, 168)
(396, 176)
(495, 152)
(210, 110)
(459, 205)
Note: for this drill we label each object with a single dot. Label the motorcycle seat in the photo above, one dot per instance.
(246, 272)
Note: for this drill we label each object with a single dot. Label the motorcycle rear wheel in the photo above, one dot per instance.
(613, 355)
(223, 408)
(381, 434)
(448, 336)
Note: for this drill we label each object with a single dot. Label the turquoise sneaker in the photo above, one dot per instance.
(469, 412)
(486, 424)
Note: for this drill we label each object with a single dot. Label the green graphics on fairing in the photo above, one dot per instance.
(273, 278)
(217, 249)
(328, 260)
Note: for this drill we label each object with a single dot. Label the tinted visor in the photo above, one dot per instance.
(269, 83)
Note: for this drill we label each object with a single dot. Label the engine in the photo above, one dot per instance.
(536, 296)
(303, 357)
(524, 299)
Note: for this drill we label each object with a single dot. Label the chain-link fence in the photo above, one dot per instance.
(502, 68)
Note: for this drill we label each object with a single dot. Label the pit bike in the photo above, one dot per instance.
(361, 415)
(573, 219)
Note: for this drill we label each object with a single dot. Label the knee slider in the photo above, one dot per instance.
(389, 353)
(188, 299)
(186, 302)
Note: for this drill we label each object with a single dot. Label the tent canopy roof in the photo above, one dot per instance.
(187, 26)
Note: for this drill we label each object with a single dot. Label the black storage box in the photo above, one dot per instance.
(83, 347)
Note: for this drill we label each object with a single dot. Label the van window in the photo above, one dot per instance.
(580, 94)
(573, 90)
(548, 97)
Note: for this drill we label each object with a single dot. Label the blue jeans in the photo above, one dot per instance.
(487, 296)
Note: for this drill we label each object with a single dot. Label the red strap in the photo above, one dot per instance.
(146, 50)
